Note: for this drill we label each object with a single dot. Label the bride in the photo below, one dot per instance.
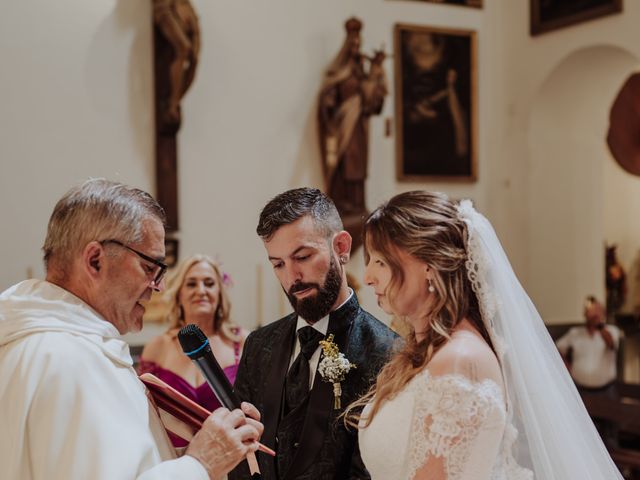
(479, 390)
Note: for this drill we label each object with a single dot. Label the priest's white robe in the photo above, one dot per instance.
(71, 404)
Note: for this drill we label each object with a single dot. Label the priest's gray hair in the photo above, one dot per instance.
(96, 210)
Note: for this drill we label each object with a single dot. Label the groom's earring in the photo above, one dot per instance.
(431, 287)
(343, 259)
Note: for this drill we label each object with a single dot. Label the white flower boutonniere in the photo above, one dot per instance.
(333, 367)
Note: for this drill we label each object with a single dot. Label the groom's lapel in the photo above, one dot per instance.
(320, 413)
(282, 344)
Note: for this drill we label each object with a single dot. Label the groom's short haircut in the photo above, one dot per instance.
(294, 204)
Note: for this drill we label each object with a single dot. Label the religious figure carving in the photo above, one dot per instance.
(349, 95)
(178, 23)
(176, 48)
(616, 281)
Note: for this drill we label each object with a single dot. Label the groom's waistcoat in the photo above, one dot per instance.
(324, 448)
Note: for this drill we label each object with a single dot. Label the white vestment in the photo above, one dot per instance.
(71, 404)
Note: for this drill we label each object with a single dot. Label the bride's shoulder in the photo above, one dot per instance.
(466, 354)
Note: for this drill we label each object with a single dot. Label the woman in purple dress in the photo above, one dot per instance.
(196, 295)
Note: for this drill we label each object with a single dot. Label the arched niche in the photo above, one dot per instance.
(569, 169)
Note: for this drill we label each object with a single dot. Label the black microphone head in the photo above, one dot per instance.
(192, 340)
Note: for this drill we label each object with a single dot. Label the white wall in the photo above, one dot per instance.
(568, 154)
(78, 102)
(558, 89)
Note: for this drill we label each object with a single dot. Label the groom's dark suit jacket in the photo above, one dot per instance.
(325, 450)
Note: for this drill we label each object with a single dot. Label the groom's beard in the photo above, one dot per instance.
(313, 308)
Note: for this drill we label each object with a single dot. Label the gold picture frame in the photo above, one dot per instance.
(547, 16)
(435, 103)
(457, 3)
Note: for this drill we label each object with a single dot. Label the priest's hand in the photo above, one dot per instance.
(225, 439)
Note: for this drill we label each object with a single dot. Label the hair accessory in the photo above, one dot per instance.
(227, 281)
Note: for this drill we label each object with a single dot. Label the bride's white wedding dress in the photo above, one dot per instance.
(451, 425)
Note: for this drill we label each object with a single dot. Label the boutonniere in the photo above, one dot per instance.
(333, 367)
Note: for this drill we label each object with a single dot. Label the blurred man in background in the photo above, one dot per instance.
(591, 350)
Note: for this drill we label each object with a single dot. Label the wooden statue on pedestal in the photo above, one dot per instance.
(616, 281)
(349, 95)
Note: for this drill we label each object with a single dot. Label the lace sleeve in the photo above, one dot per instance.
(457, 427)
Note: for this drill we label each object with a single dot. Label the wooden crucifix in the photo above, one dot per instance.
(176, 41)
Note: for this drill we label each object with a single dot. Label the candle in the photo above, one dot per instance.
(281, 302)
(259, 297)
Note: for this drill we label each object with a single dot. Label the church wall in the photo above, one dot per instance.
(78, 102)
(568, 124)
(568, 215)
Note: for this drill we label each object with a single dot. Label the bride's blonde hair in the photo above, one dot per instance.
(426, 226)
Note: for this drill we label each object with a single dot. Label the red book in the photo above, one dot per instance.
(180, 415)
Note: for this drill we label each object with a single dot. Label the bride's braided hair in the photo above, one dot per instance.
(425, 225)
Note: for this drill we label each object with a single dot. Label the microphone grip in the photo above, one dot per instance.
(217, 380)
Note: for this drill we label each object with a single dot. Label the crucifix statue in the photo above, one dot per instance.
(176, 48)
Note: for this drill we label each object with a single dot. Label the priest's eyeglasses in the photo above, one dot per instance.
(161, 267)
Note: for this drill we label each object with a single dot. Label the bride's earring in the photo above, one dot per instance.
(431, 287)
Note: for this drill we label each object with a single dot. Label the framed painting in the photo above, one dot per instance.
(547, 15)
(171, 248)
(435, 102)
(462, 3)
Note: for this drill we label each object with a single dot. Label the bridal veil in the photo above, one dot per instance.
(549, 428)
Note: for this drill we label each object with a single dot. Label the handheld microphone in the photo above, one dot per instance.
(195, 345)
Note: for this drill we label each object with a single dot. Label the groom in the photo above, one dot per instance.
(308, 248)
